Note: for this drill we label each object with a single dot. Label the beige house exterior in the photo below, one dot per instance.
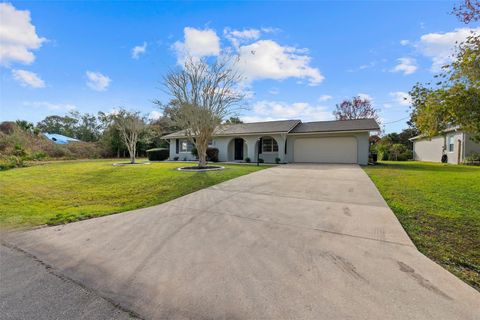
(290, 141)
(454, 143)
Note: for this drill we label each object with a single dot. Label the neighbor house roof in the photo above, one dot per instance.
(422, 136)
(58, 138)
(337, 125)
(288, 126)
(283, 126)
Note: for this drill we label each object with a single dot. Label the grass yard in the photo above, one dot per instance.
(61, 192)
(439, 207)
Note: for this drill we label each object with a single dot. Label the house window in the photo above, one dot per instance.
(269, 145)
(451, 145)
(186, 146)
(210, 143)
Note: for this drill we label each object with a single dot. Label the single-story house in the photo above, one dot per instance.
(344, 141)
(454, 142)
(59, 138)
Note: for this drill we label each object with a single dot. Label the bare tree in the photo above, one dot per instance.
(357, 108)
(131, 125)
(203, 95)
(467, 11)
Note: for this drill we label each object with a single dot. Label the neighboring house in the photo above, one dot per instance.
(290, 140)
(58, 138)
(455, 143)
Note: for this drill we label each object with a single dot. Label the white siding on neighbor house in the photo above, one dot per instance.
(456, 136)
(362, 145)
(428, 150)
(431, 150)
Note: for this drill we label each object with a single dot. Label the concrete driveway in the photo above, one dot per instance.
(290, 242)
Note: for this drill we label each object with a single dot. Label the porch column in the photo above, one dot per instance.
(281, 147)
(251, 142)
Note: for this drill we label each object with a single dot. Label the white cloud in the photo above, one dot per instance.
(97, 81)
(262, 59)
(406, 65)
(50, 106)
(404, 42)
(401, 98)
(154, 115)
(240, 36)
(440, 46)
(197, 44)
(275, 110)
(18, 36)
(266, 59)
(139, 50)
(324, 97)
(28, 79)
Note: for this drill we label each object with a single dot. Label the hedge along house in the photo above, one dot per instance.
(344, 141)
(454, 142)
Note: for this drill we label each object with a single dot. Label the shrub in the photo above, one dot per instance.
(260, 160)
(9, 162)
(472, 158)
(158, 154)
(83, 150)
(39, 155)
(19, 150)
(195, 152)
(175, 158)
(277, 160)
(248, 160)
(8, 127)
(212, 154)
(396, 150)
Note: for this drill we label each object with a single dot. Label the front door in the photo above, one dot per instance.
(238, 149)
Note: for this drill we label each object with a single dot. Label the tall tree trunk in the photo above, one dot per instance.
(202, 157)
(132, 151)
(202, 145)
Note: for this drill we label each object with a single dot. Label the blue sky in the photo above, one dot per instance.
(308, 56)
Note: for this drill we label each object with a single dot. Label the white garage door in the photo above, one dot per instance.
(328, 150)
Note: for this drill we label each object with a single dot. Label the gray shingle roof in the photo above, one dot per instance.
(288, 126)
(246, 128)
(337, 125)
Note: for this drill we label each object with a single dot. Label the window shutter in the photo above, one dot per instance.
(285, 146)
(177, 145)
(260, 146)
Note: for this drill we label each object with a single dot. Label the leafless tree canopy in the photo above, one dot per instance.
(357, 108)
(203, 94)
(467, 11)
(130, 125)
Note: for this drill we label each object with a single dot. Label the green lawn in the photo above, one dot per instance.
(439, 207)
(60, 192)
